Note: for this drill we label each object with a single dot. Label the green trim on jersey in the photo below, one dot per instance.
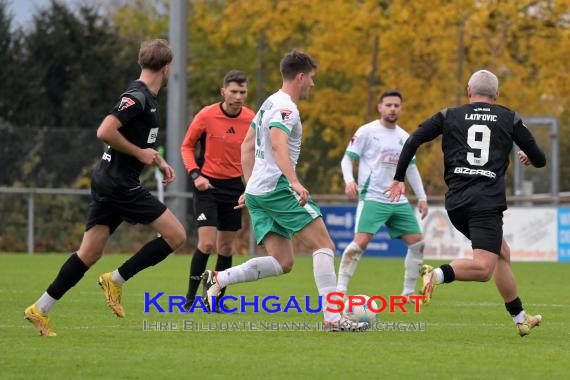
(280, 126)
(352, 155)
(399, 218)
(252, 125)
(365, 188)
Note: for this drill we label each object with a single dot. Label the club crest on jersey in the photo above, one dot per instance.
(125, 103)
(285, 113)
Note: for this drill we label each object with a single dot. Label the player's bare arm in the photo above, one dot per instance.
(523, 158)
(202, 183)
(395, 190)
(351, 189)
(108, 132)
(247, 161)
(280, 149)
(248, 154)
(415, 181)
(166, 169)
(424, 209)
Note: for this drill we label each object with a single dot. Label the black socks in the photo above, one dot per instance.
(223, 263)
(448, 273)
(514, 307)
(70, 273)
(150, 254)
(197, 267)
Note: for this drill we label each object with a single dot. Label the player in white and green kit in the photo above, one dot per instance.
(268, 191)
(377, 146)
(278, 204)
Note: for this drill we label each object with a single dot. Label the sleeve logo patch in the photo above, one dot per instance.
(152, 135)
(353, 139)
(125, 103)
(285, 113)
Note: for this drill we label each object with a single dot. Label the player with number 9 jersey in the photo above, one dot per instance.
(477, 140)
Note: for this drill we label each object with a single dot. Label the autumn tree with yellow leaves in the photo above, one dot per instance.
(425, 49)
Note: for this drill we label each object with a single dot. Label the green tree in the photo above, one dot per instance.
(66, 72)
(10, 62)
(75, 66)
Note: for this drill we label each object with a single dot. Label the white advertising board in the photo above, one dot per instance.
(530, 232)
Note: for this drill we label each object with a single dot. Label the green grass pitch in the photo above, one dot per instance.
(469, 333)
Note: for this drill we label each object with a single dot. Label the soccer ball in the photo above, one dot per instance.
(361, 313)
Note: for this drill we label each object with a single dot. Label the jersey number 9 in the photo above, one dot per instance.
(482, 144)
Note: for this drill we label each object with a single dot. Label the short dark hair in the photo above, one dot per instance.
(385, 94)
(235, 76)
(155, 54)
(296, 62)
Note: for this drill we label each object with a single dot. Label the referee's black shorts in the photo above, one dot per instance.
(215, 207)
(483, 227)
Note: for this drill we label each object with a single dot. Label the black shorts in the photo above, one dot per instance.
(483, 227)
(215, 207)
(132, 206)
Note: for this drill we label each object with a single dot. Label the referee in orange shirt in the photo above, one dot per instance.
(216, 173)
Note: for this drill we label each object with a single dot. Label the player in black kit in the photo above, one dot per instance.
(477, 141)
(130, 130)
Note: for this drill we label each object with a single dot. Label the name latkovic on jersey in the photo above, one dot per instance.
(468, 171)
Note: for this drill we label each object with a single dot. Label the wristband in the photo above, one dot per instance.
(194, 174)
